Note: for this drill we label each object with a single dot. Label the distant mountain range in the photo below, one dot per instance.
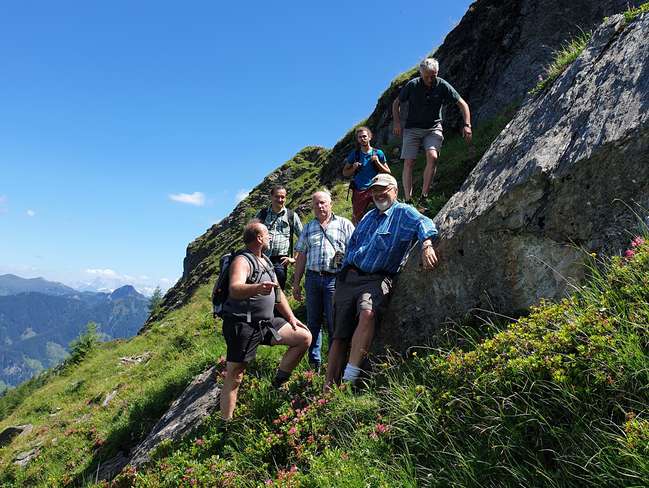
(39, 318)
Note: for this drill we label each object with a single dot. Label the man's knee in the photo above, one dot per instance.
(408, 163)
(305, 339)
(431, 156)
(234, 372)
(366, 317)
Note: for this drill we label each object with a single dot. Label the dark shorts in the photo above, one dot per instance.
(358, 292)
(243, 338)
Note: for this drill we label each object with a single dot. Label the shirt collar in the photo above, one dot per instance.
(389, 211)
(272, 212)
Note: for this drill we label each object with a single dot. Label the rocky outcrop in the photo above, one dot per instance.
(562, 178)
(197, 402)
(493, 57)
(8, 434)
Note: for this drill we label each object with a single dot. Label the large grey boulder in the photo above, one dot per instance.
(559, 179)
(197, 402)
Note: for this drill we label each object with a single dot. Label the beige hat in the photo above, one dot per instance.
(383, 179)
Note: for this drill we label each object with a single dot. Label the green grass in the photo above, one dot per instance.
(633, 13)
(558, 398)
(563, 58)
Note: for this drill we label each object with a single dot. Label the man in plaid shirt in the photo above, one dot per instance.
(320, 251)
(283, 225)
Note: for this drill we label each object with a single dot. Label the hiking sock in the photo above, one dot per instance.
(351, 373)
(281, 377)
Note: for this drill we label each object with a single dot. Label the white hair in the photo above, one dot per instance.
(324, 191)
(429, 64)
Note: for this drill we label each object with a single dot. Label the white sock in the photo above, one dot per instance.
(351, 373)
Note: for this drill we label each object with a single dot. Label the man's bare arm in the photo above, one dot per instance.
(466, 115)
(239, 289)
(396, 117)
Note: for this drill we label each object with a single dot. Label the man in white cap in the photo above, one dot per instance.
(374, 255)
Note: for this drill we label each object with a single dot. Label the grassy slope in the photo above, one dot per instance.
(557, 399)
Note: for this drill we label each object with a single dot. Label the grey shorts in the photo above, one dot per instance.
(358, 292)
(413, 138)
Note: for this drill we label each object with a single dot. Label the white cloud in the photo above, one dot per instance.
(197, 198)
(106, 273)
(30, 213)
(241, 194)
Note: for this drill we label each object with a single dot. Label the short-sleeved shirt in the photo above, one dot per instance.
(382, 240)
(425, 104)
(280, 231)
(320, 245)
(367, 171)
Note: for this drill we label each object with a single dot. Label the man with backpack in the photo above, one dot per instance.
(248, 320)
(363, 164)
(320, 250)
(284, 225)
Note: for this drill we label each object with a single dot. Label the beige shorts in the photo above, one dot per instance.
(414, 138)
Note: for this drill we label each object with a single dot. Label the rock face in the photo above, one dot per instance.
(493, 58)
(195, 404)
(562, 174)
(8, 434)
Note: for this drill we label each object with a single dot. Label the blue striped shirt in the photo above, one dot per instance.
(381, 241)
(319, 248)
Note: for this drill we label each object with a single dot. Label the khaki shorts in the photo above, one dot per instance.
(413, 138)
(358, 292)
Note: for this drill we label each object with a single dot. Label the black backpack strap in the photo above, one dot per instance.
(263, 213)
(253, 276)
(291, 229)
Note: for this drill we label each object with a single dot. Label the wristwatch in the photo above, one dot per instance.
(467, 125)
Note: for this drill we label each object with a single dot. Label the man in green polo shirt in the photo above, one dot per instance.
(425, 95)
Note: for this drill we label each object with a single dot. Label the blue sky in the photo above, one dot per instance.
(128, 128)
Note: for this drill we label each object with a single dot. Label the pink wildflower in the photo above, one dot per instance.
(199, 442)
(292, 431)
(322, 401)
(293, 469)
(629, 253)
(268, 482)
(308, 375)
(638, 241)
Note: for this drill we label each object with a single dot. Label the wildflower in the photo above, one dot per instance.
(199, 442)
(344, 456)
(322, 401)
(629, 253)
(292, 431)
(593, 254)
(381, 428)
(638, 241)
(293, 469)
(310, 439)
(268, 482)
(308, 375)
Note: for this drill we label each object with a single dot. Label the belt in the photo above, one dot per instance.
(321, 273)
(360, 272)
